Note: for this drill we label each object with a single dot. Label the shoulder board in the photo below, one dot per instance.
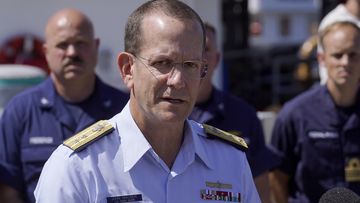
(88, 135)
(236, 141)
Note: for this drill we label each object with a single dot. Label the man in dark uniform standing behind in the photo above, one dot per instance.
(318, 132)
(36, 121)
(234, 115)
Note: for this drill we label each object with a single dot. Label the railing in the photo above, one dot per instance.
(266, 77)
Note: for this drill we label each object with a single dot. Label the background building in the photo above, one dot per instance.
(260, 40)
(28, 19)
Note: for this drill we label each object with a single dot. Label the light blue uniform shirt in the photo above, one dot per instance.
(123, 167)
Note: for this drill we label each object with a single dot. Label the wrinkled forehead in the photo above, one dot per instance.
(169, 35)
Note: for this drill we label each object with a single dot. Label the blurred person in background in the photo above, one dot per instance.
(317, 133)
(37, 120)
(349, 11)
(230, 113)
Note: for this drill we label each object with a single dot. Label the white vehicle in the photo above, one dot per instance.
(15, 78)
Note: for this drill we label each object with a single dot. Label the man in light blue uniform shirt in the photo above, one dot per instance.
(123, 164)
(150, 152)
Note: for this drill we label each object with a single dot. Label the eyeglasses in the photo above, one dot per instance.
(190, 68)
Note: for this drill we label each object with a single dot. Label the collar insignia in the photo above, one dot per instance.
(352, 170)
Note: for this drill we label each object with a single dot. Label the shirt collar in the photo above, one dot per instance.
(49, 95)
(130, 133)
(326, 96)
(329, 101)
(197, 133)
(204, 112)
(216, 101)
(330, 110)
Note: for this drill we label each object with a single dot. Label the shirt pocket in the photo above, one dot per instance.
(351, 143)
(322, 157)
(33, 160)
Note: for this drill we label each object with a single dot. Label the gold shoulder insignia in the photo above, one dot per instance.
(352, 170)
(88, 135)
(236, 141)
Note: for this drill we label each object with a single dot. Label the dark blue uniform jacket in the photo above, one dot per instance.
(37, 120)
(232, 114)
(320, 145)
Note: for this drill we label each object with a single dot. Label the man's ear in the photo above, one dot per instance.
(45, 49)
(321, 59)
(97, 43)
(218, 55)
(125, 63)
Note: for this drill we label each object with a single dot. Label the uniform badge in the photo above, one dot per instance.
(218, 185)
(41, 140)
(124, 198)
(323, 135)
(219, 194)
(352, 170)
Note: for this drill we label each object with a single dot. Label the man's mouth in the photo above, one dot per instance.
(74, 63)
(173, 100)
(344, 73)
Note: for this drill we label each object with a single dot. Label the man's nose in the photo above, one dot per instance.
(345, 59)
(71, 50)
(176, 77)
